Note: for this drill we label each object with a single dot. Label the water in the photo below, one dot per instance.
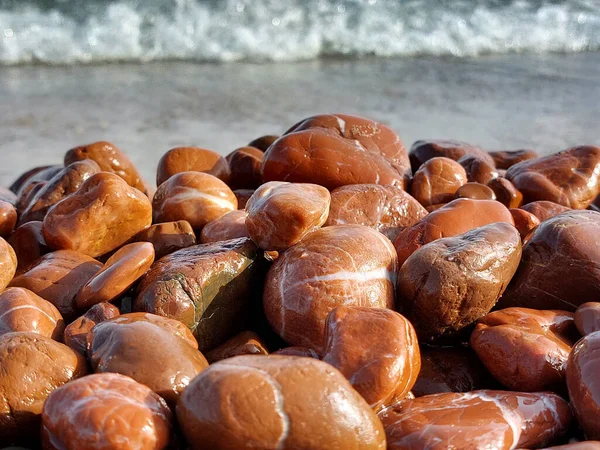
(546, 102)
(499, 73)
(83, 31)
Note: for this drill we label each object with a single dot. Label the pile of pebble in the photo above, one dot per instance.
(323, 289)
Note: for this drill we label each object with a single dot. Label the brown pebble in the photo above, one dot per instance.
(245, 166)
(544, 210)
(376, 349)
(245, 343)
(288, 397)
(280, 214)
(474, 420)
(456, 217)
(582, 380)
(119, 273)
(58, 277)
(143, 347)
(437, 180)
(29, 244)
(196, 197)
(525, 222)
(504, 159)
(505, 192)
(168, 237)
(450, 283)
(106, 411)
(587, 318)
(337, 150)
(475, 191)
(16, 186)
(29, 194)
(388, 209)
(75, 335)
(57, 188)
(230, 226)
(424, 150)
(110, 159)
(8, 264)
(8, 219)
(243, 195)
(36, 176)
(101, 216)
(316, 275)
(32, 367)
(263, 142)
(569, 178)
(478, 170)
(22, 310)
(560, 266)
(526, 349)
(194, 159)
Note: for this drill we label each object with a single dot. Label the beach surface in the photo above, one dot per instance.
(547, 103)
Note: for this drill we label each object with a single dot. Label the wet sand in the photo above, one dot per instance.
(543, 102)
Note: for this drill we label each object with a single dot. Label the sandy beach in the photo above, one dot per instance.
(500, 102)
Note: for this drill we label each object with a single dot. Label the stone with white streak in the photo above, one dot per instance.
(333, 266)
(280, 214)
(276, 403)
(196, 197)
(478, 419)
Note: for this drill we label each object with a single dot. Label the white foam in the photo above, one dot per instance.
(287, 30)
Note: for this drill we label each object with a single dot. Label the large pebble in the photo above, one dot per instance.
(337, 265)
(570, 178)
(296, 403)
(476, 420)
(101, 216)
(22, 310)
(526, 349)
(196, 197)
(375, 349)
(184, 159)
(119, 273)
(336, 150)
(388, 209)
(210, 288)
(168, 237)
(58, 277)
(583, 367)
(452, 282)
(63, 184)
(144, 347)
(230, 226)
(458, 216)
(560, 267)
(110, 159)
(280, 214)
(437, 180)
(245, 163)
(105, 411)
(32, 367)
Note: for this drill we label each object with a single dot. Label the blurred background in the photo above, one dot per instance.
(149, 75)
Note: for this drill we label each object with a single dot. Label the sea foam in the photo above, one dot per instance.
(65, 32)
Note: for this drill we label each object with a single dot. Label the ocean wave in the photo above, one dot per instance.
(63, 32)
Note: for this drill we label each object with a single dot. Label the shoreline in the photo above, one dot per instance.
(497, 102)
